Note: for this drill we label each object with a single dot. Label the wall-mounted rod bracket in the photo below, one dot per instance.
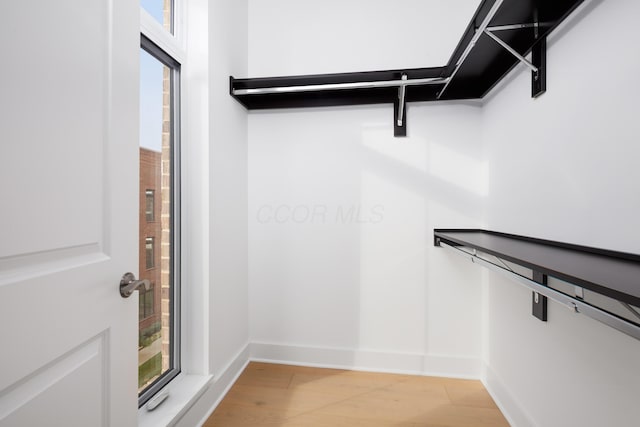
(400, 110)
(539, 302)
(539, 58)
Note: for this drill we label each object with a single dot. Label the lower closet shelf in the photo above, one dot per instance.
(599, 283)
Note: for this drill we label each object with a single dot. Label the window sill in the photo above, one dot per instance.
(184, 391)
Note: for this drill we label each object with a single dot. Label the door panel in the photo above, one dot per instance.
(70, 390)
(54, 145)
(68, 222)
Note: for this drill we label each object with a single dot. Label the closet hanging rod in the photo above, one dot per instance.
(573, 304)
(341, 86)
(479, 31)
(519, 26)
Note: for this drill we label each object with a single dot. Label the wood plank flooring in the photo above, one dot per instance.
(286, 396)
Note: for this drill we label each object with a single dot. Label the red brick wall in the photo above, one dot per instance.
(150, 176)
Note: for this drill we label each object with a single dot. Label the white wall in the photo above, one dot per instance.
(565, 167)
(228, 173)
(342, 268)
(289, 37)
(222, 166)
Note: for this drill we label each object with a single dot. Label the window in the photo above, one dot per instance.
(149, 252)
(159, 331)
(146, 307)
(149, 200)
(161, 11)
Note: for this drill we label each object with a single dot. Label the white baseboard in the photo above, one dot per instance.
(218, 389)
(510, 407)
(365, 360)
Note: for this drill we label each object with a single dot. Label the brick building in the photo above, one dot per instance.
(150, 238)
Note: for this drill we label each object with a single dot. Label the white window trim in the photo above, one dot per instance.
(154, 31)
(184, 390)
(194, 378)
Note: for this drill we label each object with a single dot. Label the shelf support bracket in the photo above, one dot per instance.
(400, 110)
(538, 65)
(511, 50)
(539, 302)
(539, 58)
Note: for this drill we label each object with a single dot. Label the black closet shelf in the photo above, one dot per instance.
(301, 96)
(601, 284)
(613, 274)
(498, 37)
(521, 24)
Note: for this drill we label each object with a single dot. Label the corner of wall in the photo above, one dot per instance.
(228, 183)
(512, 410)
(217, 390)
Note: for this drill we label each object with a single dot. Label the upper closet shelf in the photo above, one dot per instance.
(500, 35)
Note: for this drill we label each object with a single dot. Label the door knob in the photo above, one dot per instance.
(128, 284)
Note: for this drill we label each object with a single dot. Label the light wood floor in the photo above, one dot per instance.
(286, 396)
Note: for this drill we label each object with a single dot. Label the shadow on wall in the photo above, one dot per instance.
(341, 234)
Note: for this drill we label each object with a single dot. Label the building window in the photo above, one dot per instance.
(149, 199)
(149, 252)
(146, 303)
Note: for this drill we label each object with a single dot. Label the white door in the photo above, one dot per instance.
(68, 212)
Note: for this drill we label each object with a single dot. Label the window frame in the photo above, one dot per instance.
(175, 364)
(172, 11)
